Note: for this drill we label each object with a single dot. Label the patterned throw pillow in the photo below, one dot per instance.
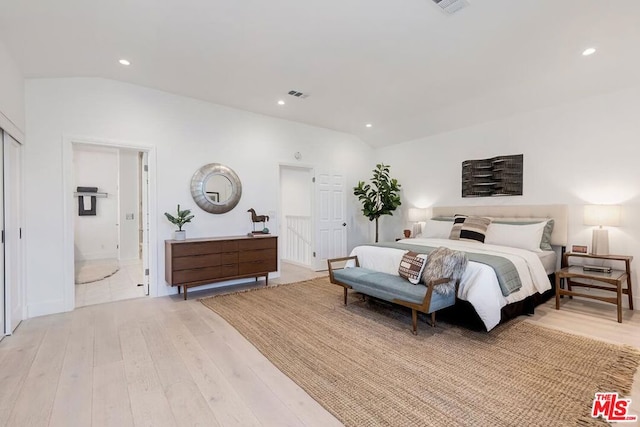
(469, 228)
(442, 263)
(411, 266)
(458, 220)
(474, 228)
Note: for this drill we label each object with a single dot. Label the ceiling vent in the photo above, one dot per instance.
(451, 6)
(298, 94)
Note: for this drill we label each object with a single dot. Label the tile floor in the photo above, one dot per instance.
(122, 285)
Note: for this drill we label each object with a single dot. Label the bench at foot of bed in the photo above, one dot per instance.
(392, 288)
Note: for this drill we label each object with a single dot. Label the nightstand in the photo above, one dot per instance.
(612, 281)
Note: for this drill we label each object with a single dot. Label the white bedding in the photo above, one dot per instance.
(479, 284)
(548, 259)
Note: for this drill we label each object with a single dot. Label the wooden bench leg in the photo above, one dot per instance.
(414, 321)
(433, 319)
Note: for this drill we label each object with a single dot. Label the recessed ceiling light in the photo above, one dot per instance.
(368, 125)
(124, 62)
(281, 102)
(589, 51)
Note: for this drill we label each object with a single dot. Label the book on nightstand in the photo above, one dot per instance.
(597, 268)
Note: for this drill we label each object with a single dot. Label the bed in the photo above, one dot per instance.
(483, 300)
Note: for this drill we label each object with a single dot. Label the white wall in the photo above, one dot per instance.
(576, 154)
(96, 236)
(129, 205)
(12, 114)
(187, 134)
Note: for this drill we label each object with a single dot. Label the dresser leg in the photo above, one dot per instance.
(266, 279)
(185, 293)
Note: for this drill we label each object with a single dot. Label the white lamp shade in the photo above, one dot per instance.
(602, 215)
(417, 214)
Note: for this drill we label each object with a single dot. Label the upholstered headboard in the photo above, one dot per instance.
(558, 212)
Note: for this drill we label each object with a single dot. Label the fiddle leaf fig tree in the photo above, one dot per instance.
(381, 196)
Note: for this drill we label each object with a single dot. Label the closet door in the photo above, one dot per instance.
(14, 291)
(2, 281)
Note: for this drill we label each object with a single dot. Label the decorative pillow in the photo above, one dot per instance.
(442, 218)
(527, 236)
(442, 263)
(458, 220)
(474, 228)
(437, 229)
(469, 228)
(545, 243)
(412, 266)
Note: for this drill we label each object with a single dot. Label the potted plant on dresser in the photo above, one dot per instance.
(183, 217)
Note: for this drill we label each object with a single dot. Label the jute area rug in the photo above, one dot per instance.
(362, 363)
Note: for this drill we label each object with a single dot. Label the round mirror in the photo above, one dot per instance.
(216, 188)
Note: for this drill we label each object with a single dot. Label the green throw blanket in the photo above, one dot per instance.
(506, 272)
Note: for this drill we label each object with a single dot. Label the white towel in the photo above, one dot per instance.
(86, 203)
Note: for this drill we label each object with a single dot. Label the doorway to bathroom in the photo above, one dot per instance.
(110, 223)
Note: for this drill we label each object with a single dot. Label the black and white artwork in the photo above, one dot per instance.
(498, 176)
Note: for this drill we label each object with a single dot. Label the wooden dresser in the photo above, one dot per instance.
(195, 262)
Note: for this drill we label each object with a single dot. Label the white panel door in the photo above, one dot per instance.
(331, 226)
(2, 281)
(13, 234)
(144, 187)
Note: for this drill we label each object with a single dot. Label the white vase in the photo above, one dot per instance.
(179, 235)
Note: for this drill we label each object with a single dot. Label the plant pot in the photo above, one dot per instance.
(407, 233)
(179, 235)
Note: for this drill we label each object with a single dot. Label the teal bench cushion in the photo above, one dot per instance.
(389, 287)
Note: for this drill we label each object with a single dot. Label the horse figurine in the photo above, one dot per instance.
(257, 218)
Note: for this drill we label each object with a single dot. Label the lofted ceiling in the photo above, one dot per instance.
(405, 66)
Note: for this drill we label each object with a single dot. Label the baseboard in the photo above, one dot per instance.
(45, 308)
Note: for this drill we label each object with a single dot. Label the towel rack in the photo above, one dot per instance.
(89, 193)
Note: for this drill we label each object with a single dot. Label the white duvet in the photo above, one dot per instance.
(479, 284)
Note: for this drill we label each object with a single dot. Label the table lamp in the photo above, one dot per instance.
(601, 215)
(417, 215)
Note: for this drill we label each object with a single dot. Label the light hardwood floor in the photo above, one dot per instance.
(166, 362)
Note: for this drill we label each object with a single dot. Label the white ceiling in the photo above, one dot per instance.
(403, 65)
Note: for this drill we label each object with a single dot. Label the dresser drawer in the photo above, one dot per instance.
(229, 270)
(197, 261)
(229, 258)
(197, 274)
(197, 248)
(260, 266)
(258, 243)
(256, 255)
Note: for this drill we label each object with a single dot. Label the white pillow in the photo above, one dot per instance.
(516, 236)
(437, 229)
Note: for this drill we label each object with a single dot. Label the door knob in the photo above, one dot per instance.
(344, 224)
